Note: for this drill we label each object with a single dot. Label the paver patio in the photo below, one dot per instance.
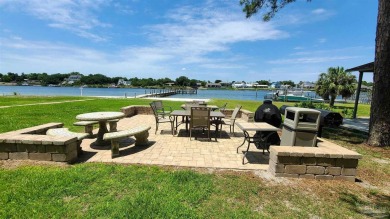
(179, 150)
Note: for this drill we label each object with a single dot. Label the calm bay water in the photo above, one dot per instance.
(129, 92)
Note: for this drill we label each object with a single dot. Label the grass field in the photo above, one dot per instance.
(52, 190)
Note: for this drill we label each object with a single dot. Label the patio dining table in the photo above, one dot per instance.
(187, 113)
(254, 126)
(102, 118)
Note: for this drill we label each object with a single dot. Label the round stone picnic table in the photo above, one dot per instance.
(102, 118)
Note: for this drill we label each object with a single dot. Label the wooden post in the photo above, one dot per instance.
(357, 94)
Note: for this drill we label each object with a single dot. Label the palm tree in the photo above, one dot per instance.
(335, 82)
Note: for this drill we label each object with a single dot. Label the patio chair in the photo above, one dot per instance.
(161, 109)
(161, 118)
(229, 121)
(200, 119)
(222, 108)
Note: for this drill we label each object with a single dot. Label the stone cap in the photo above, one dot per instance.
(38, 139)
(324, 148)
(40, 128)
(35, 129)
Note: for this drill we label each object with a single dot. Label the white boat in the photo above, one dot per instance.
(292, 96)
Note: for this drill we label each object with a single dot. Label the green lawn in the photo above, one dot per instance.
(37, 190)
(20, 100)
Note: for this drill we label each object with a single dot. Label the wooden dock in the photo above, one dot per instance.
(167, 92)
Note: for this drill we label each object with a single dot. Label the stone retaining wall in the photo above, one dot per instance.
(133, 110)
(32, 144)
(326, 161)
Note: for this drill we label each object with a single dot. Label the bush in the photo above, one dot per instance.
(347, 113)
(311, 105)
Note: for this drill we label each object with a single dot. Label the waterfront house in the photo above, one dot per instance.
(213, 85)
(239, 84)
(276, 84)
(73, 78)
(123, 82)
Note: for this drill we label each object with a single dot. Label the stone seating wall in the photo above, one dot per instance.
(326, 161)
(133, 110)
(33, 144)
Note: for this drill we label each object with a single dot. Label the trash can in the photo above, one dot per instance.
(327, 118)
(300, 127)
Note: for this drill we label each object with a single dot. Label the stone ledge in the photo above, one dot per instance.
(324, 149)
(136, 109)
(327, 161)
(247, 115)
(31, 143)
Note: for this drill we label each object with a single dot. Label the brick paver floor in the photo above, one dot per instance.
(179, 150)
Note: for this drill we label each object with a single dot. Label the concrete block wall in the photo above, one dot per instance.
(247, 115)
(32, 144)
(327, 161)
(130, 111)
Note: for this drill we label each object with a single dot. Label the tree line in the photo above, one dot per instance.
(45, 79)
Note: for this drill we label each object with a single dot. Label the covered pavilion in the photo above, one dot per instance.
(369, 67)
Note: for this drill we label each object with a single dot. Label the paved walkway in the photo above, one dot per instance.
(179, 150)
(360, 124)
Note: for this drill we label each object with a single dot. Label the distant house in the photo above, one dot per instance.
(123, 82)
(239, 84)
(214, 85)
(170, 84)
(276, 85)
(225, 84)
(254, 85)
(260, 85)
(308, 84)
(285, 86)
(73, 78)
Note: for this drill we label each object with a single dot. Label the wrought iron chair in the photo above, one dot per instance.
(161, 118)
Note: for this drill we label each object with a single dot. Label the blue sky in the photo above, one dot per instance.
(206, 40)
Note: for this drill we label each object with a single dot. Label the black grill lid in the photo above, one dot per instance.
(269, 113)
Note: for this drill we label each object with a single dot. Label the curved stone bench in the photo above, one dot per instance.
(88, 125)
(64, 132)
(141, 134)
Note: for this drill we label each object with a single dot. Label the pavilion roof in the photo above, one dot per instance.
(369, 67)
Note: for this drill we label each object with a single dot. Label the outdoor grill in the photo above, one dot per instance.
(327, 118)
(269, 113)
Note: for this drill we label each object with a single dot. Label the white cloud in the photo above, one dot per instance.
(305, 60)
(76, 16)
(192, 33)
(322, 40)
(319, 11)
